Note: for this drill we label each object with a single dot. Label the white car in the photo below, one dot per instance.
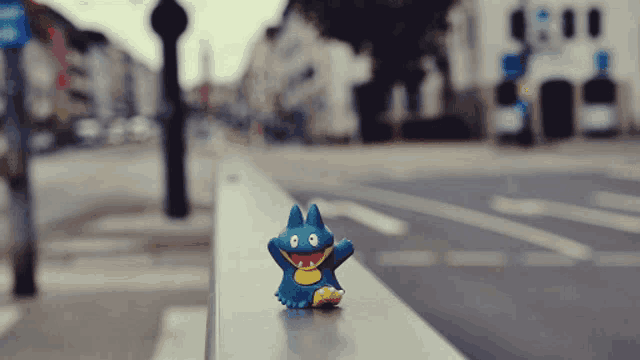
(117, 132)
(89, 131)
(139, 129)
(41, 141)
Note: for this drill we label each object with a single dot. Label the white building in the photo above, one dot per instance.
(300, 71)
(145, 90)
(100, 77)
(565, 37)
(40, 76)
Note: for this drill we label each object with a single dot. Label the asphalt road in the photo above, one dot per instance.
(512, 308)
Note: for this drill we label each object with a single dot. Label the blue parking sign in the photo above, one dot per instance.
(14, 26)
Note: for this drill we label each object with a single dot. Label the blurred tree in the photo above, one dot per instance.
(398, 32)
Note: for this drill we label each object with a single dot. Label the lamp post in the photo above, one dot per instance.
(169, 21)
(13, 19)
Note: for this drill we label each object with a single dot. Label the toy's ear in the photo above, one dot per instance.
(314, 218)
(295, 217)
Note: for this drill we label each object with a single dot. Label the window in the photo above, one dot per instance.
(600, 91)
(594, 23)
(506, 93)
(517, 25)
(568, 26)
(470, 32)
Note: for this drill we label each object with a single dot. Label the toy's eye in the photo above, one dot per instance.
(294, 241)
(313, 240)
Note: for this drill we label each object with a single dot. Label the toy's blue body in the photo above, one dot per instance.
(305, 242)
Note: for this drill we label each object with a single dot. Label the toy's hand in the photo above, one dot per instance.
(343, 250)
(276, 254)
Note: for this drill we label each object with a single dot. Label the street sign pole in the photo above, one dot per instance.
(14, 34)
(169, 20)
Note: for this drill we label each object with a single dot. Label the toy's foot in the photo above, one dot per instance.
(327, 296)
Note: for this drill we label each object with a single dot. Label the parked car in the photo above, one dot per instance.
(117, 132)
(138, 129)
(41, 141)
(89, 131)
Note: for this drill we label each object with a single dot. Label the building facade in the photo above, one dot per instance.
(536, 64)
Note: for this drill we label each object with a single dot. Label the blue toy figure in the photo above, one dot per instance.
(308, 257)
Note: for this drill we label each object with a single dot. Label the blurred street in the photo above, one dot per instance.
(533, 265)
(108, 256)
(491, 254)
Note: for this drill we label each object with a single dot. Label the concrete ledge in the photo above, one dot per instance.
(247, 322)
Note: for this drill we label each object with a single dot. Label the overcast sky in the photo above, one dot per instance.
(229, 26)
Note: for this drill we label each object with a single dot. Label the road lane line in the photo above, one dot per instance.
(407, 258)
(476, 258)
(92, 246)
(570, 212)
(617, 259)
(183, 334)
(624, 172)
(366, 216)
(9, 317)
(116, 274)
(519, 207)
(615, 201)
(546, 259)
(561, 244)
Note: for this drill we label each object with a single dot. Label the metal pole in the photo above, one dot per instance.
(23, 250)
(169, 20)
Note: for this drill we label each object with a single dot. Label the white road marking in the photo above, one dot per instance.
(570, 212)
(616, 201)
(547, 259)
(9, 316)
(407, 258)
(183, 334)
(476, 258)
(617, 259)
(624, 172)
(151, 222)
(129, 273)
(510, 206)
(92, 246)
(421, 258)
(561, 244)
(375, 220)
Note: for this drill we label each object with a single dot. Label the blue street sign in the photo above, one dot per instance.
(512, 66)
(14, 26)
(543, 15)
(602, 61)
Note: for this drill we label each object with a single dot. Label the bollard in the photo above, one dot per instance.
(13, 20)
(169, 21)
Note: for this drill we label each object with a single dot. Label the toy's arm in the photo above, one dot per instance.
(342, 251)
(276, 254)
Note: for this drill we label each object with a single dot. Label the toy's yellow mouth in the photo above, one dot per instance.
(307, 261)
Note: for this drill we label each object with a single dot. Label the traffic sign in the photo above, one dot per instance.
(14, 26)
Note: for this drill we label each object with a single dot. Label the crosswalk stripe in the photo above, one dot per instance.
(9, 316)
(375, 220)
(545, 239)
(420, 258)
(407, 258)
(570, 212)
(126, 273)
(183, 334)
(617, 259)
(547, 259)
(615, 201)
(476, 258)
